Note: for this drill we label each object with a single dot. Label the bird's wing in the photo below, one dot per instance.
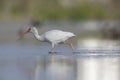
(57, 35)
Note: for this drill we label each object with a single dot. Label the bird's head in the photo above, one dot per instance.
(29, 30)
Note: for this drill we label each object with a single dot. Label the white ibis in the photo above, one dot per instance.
(53, 36)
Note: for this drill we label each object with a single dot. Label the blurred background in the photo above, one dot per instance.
(95, 22)
(59, 9)
(96, 18)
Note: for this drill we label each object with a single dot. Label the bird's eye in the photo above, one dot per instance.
(29, 29)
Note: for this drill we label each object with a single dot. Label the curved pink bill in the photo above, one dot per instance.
(24, 33)
(29, 29)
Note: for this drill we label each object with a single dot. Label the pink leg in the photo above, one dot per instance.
(52, 50)
(70, 44)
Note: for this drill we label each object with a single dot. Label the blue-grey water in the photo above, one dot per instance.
(94, 59)
(33, 62)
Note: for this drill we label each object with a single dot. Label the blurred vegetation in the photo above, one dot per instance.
(111, 31)
(60, 9)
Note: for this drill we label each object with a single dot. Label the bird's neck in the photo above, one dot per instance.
(37, 36)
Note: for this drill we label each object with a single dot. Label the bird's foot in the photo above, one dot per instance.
(76, 52)
(73, 52)
(51, 53)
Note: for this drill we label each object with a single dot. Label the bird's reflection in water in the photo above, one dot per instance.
(57, 67)
(60, 67)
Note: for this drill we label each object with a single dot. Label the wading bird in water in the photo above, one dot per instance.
(53, 36)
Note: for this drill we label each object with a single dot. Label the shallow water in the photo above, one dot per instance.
(33, 62)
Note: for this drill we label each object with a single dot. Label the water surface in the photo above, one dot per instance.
(33, 62)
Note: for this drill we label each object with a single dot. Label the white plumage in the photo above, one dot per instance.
(57, 36)
(52, 36)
